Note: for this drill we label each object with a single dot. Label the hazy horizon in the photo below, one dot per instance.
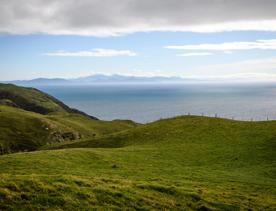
(97, 77)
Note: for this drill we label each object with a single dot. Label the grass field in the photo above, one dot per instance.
(195, 163)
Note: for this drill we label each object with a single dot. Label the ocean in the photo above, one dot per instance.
(149, 102)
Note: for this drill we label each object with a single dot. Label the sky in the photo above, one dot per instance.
(206, 39)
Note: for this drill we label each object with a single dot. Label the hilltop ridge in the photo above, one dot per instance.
(34, 100)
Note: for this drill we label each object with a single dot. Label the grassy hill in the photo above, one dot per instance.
(34, 100)
(22, 130)
(30, 119)
(182, 163)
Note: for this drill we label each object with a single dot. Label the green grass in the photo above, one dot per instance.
(22, 130)
(195, 163)
(78, 193)
(132, 183)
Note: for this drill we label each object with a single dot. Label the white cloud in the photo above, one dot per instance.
(113, 17)
(98, 52)
(196, 54)
(229, 46)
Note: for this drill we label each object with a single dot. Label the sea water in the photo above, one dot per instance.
(148, 102)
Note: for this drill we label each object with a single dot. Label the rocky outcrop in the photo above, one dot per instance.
(58, 136)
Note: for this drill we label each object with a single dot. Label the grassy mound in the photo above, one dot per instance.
(186, 132)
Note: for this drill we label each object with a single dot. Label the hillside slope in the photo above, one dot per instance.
(192, 163)
(22, 130)
(30, 119)
(34, 100)
(186, 130)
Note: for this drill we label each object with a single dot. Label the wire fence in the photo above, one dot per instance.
(216, 115)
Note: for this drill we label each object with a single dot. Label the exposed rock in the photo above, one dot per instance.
(71, 136)
(65, 136)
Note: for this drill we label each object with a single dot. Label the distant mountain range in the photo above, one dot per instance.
(98, 78)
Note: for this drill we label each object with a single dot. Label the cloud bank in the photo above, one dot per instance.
(229, 46)
(113, 17)
(98, 52)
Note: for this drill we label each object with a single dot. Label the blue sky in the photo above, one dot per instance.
(29, 50)
(24, 56)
